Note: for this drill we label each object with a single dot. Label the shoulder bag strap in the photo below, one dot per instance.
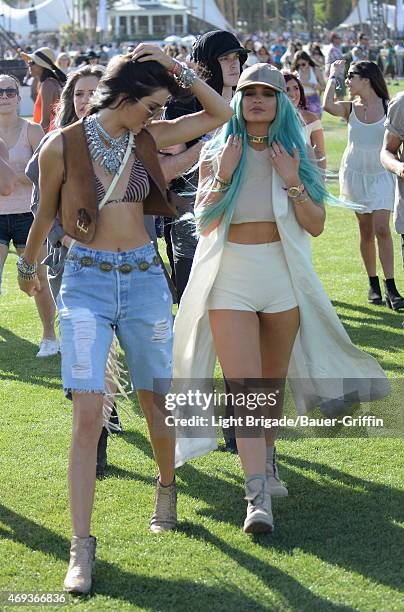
(118, 174)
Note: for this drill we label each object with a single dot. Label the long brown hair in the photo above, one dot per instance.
(369, 70)
(65, 114)
(133, 79)
(302, 55)
(292, 77)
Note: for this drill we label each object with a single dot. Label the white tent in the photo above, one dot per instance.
(362, 14)
(208, 11)
(51, 14)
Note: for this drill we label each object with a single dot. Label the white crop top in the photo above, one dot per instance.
(254, 200)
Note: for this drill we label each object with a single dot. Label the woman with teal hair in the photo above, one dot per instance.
(253, 298)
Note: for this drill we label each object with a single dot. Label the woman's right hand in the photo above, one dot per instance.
(337, 68)
(146, 52)
(30, 287)
(66, 241)
(230, 157)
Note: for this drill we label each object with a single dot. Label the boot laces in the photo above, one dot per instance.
(81, 559)
(256, 497)
(164, 503)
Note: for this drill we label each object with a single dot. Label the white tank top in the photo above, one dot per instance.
(310, 86)
(365, 135)
(254, 200)
(19, 201)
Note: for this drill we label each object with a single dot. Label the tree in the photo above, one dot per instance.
(336, 12)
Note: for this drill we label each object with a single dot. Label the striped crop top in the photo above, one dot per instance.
(138, 185)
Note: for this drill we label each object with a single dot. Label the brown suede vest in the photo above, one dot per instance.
(78, 205)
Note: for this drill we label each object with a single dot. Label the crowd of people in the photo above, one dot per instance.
(226, 147)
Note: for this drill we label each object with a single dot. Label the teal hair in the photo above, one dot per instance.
(286, 129)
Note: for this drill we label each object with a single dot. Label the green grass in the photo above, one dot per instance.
(336, 543)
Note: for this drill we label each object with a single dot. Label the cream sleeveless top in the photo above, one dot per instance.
(310, 86)
(254, 200)
(19, 201)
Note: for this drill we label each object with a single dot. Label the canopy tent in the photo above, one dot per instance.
(208, 11)
(362, 14)
(50, 14)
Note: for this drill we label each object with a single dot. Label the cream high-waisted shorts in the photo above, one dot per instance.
(253, 277)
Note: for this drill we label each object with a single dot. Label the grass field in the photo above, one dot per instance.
(336, 546)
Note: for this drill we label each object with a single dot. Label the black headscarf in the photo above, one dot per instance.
(209, 47)
(205, 52)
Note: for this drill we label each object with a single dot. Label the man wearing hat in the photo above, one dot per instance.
(219, 58)
(42, 66)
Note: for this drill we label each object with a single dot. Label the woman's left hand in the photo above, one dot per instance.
(148, 52)
(287, 166)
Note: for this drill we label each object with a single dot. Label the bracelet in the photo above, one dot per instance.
(220, 190)
(176, 69)
(25, 270)
(27, 276)
(221, 181)
(304, 197)
(186, 77)
(400, 172)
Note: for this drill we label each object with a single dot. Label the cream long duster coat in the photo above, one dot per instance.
(325, 370)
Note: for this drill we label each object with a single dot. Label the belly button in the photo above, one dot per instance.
(119, 250)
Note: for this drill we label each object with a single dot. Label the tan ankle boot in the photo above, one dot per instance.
(82, 560)
(165, 509)
(259, 511)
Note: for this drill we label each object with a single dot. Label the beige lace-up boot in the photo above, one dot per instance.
(165, 509)
(82, 560)
(259, 512)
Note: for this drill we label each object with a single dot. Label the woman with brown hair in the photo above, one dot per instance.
(312, 79)
(113, 257)
(312, 124)
(73, 106)
(51, 79)
(362, 176)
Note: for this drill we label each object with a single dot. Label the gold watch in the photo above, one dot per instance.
(295, 192)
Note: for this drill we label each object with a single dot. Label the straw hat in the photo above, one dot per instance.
(44, 57)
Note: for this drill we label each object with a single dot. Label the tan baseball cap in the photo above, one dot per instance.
(262, 74)
(44, 57)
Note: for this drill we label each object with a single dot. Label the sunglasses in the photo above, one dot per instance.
(153, 114)
(9, 91)
(31, 63)
(351, 75)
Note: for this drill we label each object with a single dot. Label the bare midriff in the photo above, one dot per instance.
(253, 233)
(120, 227)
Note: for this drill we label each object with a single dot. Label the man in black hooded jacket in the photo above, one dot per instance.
(218, 58)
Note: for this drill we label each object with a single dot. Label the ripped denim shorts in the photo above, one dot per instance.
(126, 292)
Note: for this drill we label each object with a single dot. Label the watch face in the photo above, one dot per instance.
(294, 192)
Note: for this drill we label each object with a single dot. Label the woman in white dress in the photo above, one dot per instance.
(253, 296)
(362, 176)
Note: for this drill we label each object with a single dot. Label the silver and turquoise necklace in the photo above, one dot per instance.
(109, 157)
